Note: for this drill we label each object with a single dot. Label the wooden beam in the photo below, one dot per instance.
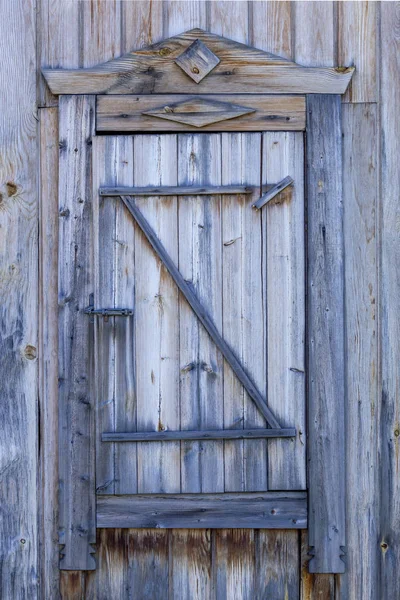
(260, 112)
(201, 312)
(272, 192)
(326, 390)
(241, 69)
(222, 434)
(170, 190)
(264, 510)
(76, 411)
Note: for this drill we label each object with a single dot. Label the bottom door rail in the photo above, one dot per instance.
(263, 510)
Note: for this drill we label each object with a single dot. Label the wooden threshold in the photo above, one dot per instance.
(264, 510)
(218, 434)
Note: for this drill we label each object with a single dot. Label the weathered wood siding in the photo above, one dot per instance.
(182, 563)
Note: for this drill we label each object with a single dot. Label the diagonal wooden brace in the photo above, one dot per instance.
(201, 313)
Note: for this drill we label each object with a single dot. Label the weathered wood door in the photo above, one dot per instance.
(158, 370)
(182, 282)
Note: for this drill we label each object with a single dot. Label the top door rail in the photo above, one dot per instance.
(191, 190)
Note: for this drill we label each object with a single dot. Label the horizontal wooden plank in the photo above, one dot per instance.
(218, 434)
(272, 192)
(170, 190)
(201, 313)
(267, 510)
(267, 113)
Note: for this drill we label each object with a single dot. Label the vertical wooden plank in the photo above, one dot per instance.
(114, 286)
(48, 331)
(234, 564)
(201, 364)
(58, 41)
(229, 19)
(326, 390)
(19, 303)
(112, 570)
(277, 560)
(315, 33)
(244, 322)
(157, 318)
(141, 23)
(270, 27)
(190, 564)
(357, 45)
(283, 236)
(180, 16)
(76, 447)
(360, 193)
(72, 585)
(100, 34)
(390, 303)
(148, 575)
(315, 586)
(125, 456)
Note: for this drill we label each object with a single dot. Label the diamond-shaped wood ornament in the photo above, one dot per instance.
(197, 61)
(199, 112)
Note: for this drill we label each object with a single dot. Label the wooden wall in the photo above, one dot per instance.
(186, 564)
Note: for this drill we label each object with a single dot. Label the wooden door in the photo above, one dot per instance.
(158, 370)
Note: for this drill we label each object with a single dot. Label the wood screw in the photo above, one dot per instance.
(195, 70)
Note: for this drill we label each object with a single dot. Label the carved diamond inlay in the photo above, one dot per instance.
(199, 112)
(197, 61)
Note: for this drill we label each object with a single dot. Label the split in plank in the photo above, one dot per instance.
(201, 313)
(171, 190)
(221, 434)
(264, 510)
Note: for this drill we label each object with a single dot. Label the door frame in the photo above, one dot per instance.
(157, 71)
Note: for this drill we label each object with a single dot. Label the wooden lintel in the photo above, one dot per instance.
(264, 510)
(218, 434)
(241, 69)
(272, 192)
(190, 190)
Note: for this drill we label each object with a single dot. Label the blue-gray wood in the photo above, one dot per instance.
(201, 313)
(180, 190)
(218, 434)
(265, 510)
(326, 390)
(272, 192)
(76, 415)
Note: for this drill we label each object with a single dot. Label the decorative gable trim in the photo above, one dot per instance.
(241, 69)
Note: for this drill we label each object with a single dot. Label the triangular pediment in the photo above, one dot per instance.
(199, 62)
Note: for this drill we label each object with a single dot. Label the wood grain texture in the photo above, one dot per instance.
(19, 468)
(234, 578)
(48, 364)
(243, 311)
(360, 197)
(201, 362)
(277, 559)
(326, 380)
(242, 70)
(177, 190)
(114, 286)
(315, 586)
(389, 538)
(283, 226)
(314, 26)
(271, 27)
(76, 414)
(126, 113)
(273, 510)
(157, 317)
(190, 565)
(222, 434)
(357, 45)
(201, 312)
